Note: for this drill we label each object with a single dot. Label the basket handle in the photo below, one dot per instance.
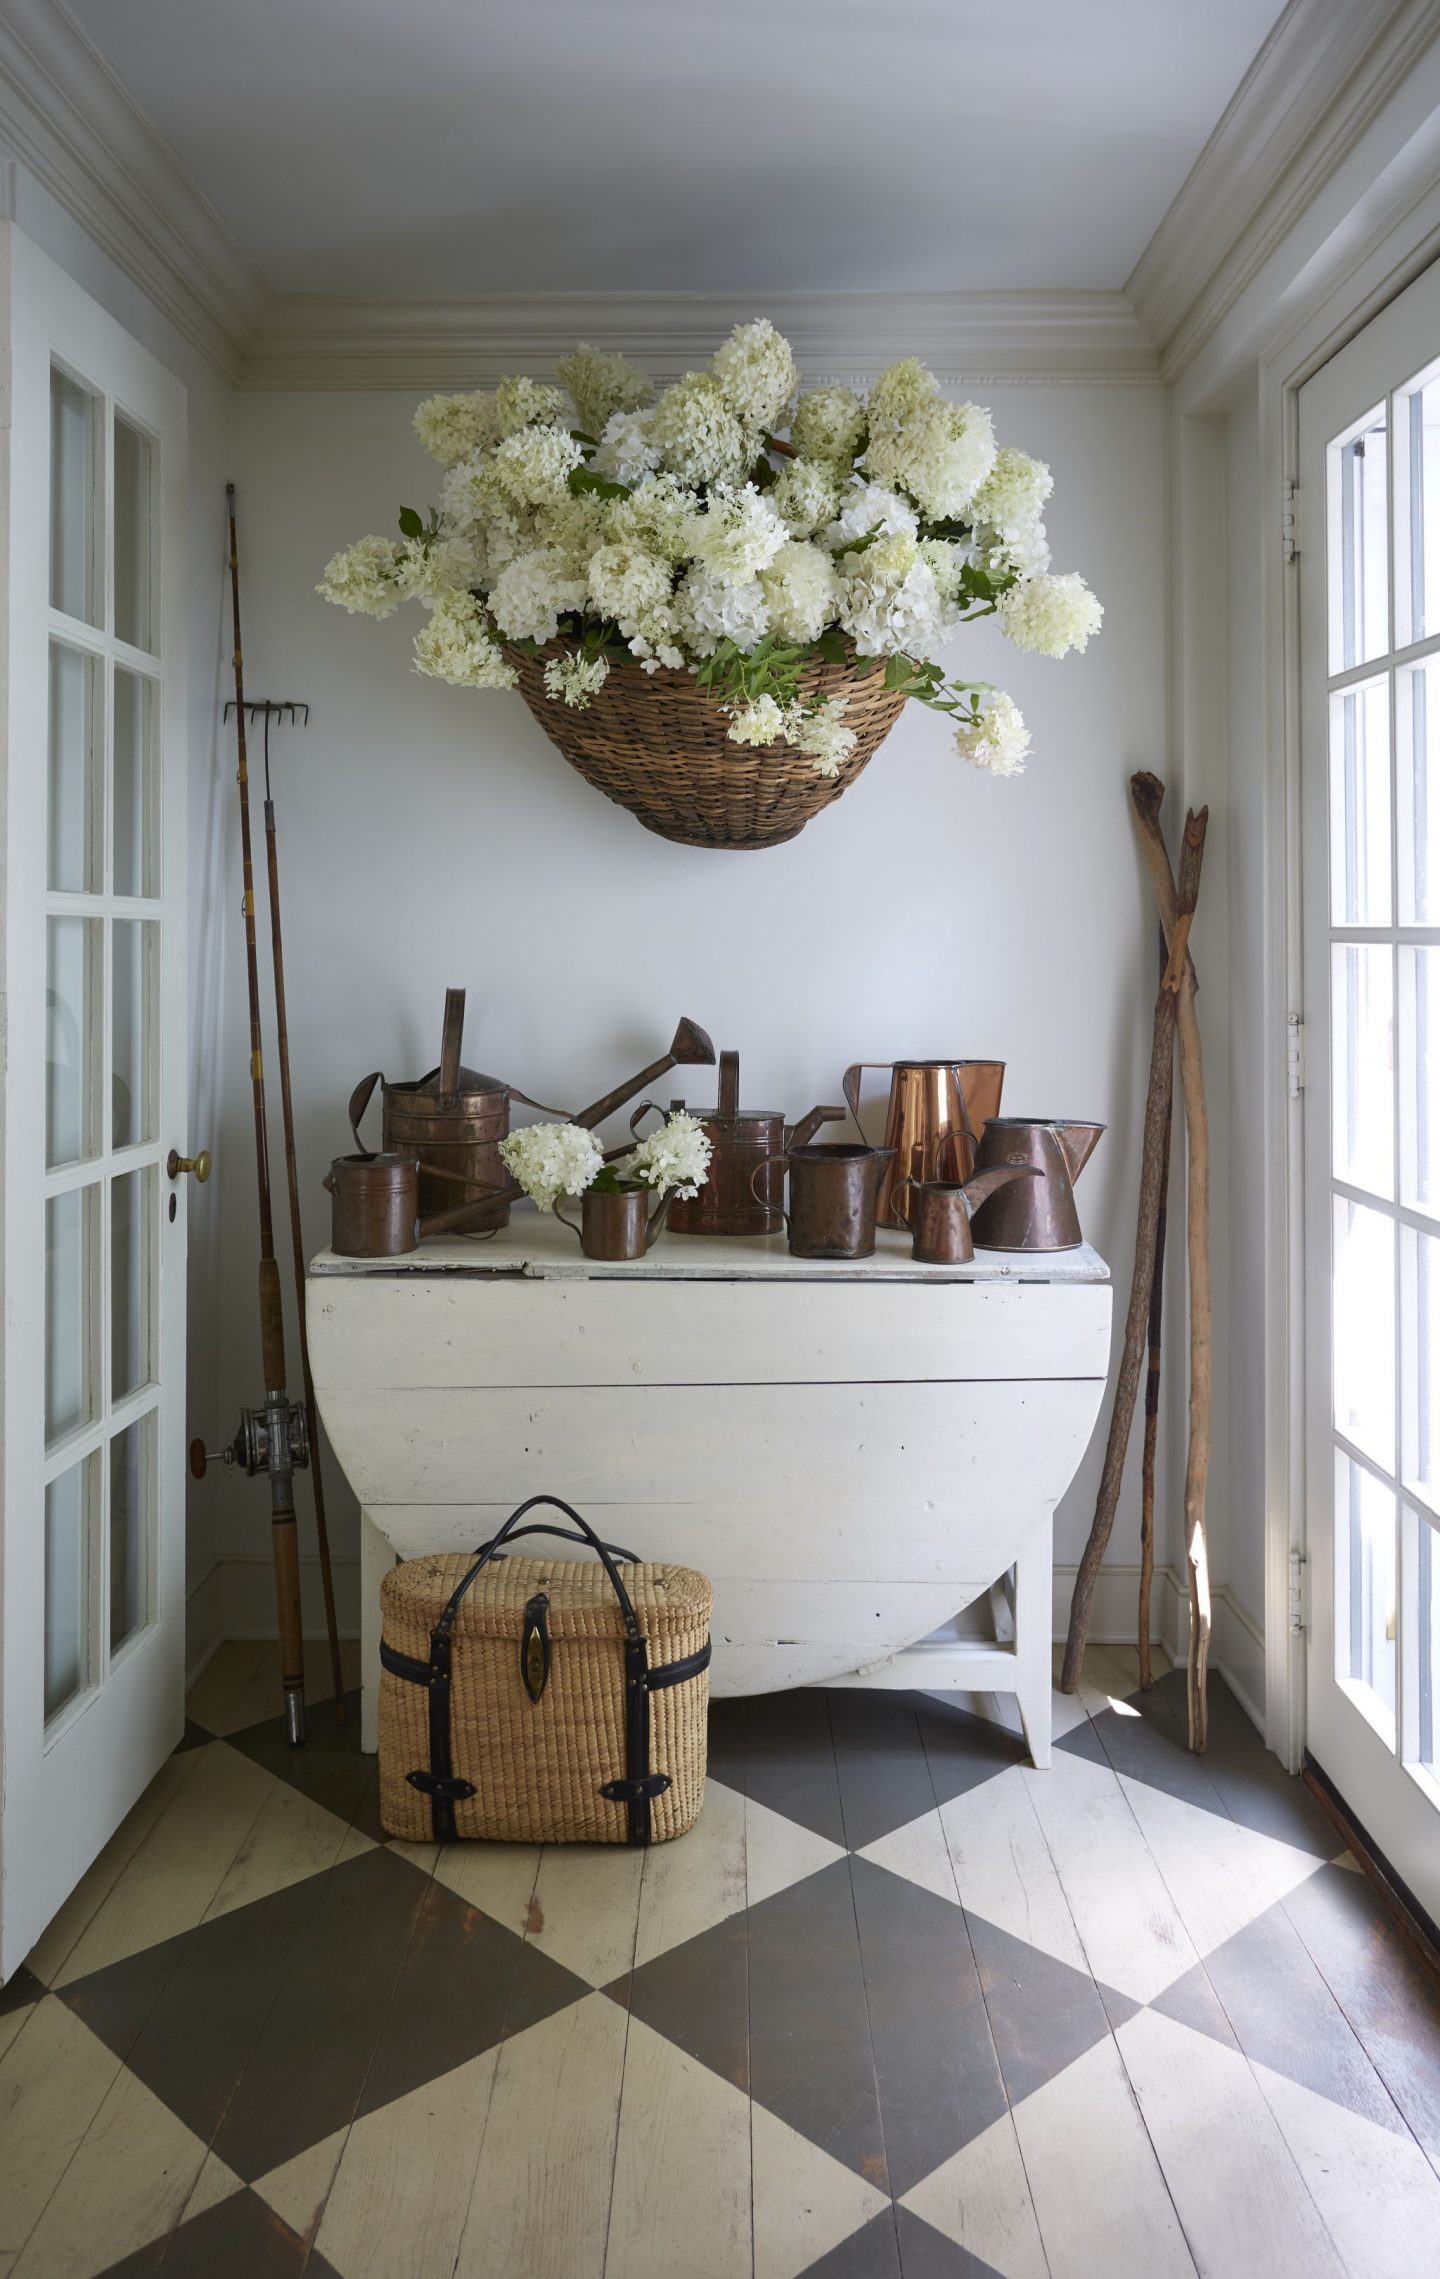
(440, 1635)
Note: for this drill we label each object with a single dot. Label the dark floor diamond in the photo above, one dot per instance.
(811, 2057)
(698, 1996)
(240, 2238)
(329, 1768)
(1042, 2013)
(21, 1988)
(194, 1737)
(777, 1748)
(871, 2253)
(1283, 2015)
(1386, 1992)
(935, 2063)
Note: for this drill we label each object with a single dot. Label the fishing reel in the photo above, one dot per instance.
(251, 1447)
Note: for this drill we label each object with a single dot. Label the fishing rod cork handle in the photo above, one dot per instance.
(272, 1327)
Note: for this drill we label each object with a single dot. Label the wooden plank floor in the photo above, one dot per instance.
(898, 2008)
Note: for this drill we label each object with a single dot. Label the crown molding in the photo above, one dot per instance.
(1325, 72)
(69, 121)
(1025, 339)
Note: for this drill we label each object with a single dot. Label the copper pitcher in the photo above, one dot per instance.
(833, 1186)
(614, 1222)
(939, 1211)
(1034, 1214)
(936, 1110)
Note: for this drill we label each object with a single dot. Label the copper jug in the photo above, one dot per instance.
(616, 1222)
(833, 1186)
(935, 1113)
(1034, 1214)
(939, 1211)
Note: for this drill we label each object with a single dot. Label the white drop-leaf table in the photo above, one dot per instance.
(854, 1452)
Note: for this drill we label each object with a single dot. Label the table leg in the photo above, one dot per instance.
(376, 1555)
(1033, 1682)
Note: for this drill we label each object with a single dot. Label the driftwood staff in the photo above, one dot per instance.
(292, 1181)
(1152, 1397)
(1197, 1224)
(1146, 794)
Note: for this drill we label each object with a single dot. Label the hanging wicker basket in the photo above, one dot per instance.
(656, 743)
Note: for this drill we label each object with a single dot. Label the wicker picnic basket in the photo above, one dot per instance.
(656, 743)
(540, 1700)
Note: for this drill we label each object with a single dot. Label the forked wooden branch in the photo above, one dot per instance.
(1147, 795)
(1197, 1199)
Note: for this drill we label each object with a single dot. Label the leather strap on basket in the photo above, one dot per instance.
(639, 1784)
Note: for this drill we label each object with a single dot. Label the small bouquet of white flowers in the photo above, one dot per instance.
(550, 1160)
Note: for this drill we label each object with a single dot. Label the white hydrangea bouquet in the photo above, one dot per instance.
(777, 555)
(551, 1160)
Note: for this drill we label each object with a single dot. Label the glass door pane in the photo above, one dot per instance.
(135, 852)
(76, 497)
(68, 1505)
(134, 553)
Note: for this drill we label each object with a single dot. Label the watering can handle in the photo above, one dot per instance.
(360, 1100)
(638, 1115)
(570, 1223)
(851, 1086)
(450, 1041)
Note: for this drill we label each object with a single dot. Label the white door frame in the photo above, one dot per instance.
(68, 1783)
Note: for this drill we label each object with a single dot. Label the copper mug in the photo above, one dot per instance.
(614, 1222)
(939, 1212)
(833, 1186)
(375, 1205)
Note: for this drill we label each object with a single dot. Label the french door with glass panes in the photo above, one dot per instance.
(94, 1086)
(1370, 728)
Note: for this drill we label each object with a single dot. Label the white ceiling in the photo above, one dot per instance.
(404, 147)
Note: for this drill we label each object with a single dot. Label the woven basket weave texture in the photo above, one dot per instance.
(656, 743)
(538, 1766)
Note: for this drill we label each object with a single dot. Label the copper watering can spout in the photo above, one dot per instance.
(1078, 1142)
(985, 1183)
(938, 1212)
(689, 1047)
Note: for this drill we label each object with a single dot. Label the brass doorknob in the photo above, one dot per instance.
(199, 1164)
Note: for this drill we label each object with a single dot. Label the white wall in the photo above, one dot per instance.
(433, 836)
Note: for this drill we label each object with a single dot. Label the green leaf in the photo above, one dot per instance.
(582, 479)
(831, 646)
(580, 436)
(410, 524)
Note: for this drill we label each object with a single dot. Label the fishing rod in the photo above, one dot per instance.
(273, 1439)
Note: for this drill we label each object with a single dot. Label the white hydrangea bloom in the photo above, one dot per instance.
(626, 452)
(738, 534)
(997, 740)
(805, 494)
(1024, 555)
(829, 424)
(659, 515)
(1012, 497)
(447, 565)
(865, 507)
(675, 1160)
(756, 370)
(940, 454)
(823, 734)
(891, 601)
(1050, 615)
(549, 1160)
(802, 591)
(453, 427)
(628, 584)
(576, 678)
(699, 435)
(709, 610)
(361, 578)
(533, 464)
(522, 402)
(601, 385)
(459, 646)
(531, 594)
(760, 721)
(900, 390)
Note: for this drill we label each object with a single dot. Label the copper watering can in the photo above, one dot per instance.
(939, 1211)
(375, 1205)
(934, 1115)
(743, 1142)
(1034, 1214)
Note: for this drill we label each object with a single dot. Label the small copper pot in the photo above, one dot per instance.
(939, 1212)
(832, 1198)
(614, 1224)
(375, 1205)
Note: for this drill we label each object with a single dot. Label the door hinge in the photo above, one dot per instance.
(1299, 1593)
(1294, 1055)
(1289, 521)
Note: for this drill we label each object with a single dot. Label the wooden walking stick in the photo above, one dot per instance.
(1197, 1215)
(1153, 1155)
(1152, 1397)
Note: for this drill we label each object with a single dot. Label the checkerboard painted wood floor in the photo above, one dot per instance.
(898, 2008)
